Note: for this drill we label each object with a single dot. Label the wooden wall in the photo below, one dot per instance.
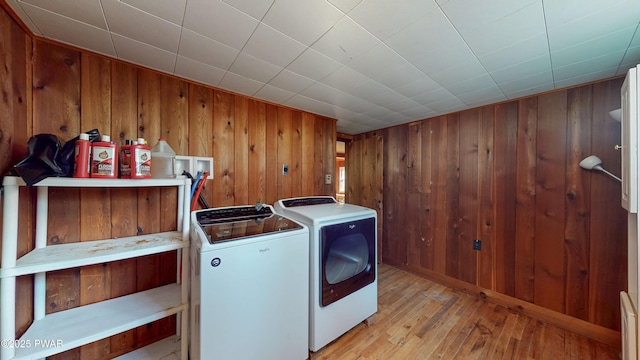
(49, 88)
(552, 233)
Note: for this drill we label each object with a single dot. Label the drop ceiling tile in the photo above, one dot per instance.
(447, 105)
(520, 52)
(384, 18)
(273, 46)
(609, 62)
(534, 81)
(273, 94)
(197, 71)
(530, 91)
(240, 84)
(344, 79)
(379, 57)
(313, 65)
(219, 21)
(369, 89)
(170, 10)
(419, 86)
(398, 76)
(386, 97)
(500, 33)
(431, 44)
(344, 5)
(88, 12)
(532, 67)
(574, 21)
(470, 85)
(254, 8)
(254, 68)
(138, 25)
(68, 31)
(143, 54)
(612, 43)
(324, 93)
(304, 21)
(432, 96)
(402, 104)
(471, 69)
(304, 102)
(205, 50)
(489, 95)
(418, 113)
(558, 13)
(291, 81)
(345, 41)
(585, 77)
(15, 6)
(631, 59)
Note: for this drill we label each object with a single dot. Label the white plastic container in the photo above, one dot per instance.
(163, 160)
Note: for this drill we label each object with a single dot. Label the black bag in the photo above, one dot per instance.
(49, 157)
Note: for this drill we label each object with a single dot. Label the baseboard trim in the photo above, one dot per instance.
(570, 323)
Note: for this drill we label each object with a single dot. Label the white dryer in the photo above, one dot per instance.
(249, 285)
(343, 281)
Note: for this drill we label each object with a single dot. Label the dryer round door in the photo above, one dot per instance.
(348, 258)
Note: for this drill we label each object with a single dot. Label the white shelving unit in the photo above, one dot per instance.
(82, 325)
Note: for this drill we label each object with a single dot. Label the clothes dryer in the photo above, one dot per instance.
(343, 285)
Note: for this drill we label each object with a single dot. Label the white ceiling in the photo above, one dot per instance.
(368, 63)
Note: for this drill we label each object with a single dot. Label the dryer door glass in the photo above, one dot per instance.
(348, 258)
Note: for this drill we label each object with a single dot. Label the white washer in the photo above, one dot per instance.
(249, 285)
(343, 274)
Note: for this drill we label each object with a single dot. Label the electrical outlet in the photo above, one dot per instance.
(285, 169)
(327, 179)
(477, 244)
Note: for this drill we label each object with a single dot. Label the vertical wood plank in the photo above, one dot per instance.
(241, 152)
(579, 110)
(318, 155)
(468, 196)
(414, 157)
(257, 164)
(16, 127)
(271, 152)
(453, 195)
(284, 141)
(505, 165)
(201, 131)
(608, 225)
(223, 143)
(486, 271)
(526, 198)
(328, 154)
(439, 166)
(550, 203)
(295, 170)
(307, 163)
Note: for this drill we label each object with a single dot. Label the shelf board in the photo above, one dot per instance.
(95, 182)
(165, 349)
(82, 325)
(64, 256)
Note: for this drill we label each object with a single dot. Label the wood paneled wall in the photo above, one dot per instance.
(552, 233)
(49, 88)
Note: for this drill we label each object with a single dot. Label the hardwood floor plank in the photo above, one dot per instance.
(420, 319)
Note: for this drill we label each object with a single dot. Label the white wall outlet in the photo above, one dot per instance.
(285, 169)
(327, 179)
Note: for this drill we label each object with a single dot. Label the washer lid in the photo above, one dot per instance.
(232, 223)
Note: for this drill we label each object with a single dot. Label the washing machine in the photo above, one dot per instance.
(343, 280)
(249, 285)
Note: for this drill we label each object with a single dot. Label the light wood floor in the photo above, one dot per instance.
(420, 319)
